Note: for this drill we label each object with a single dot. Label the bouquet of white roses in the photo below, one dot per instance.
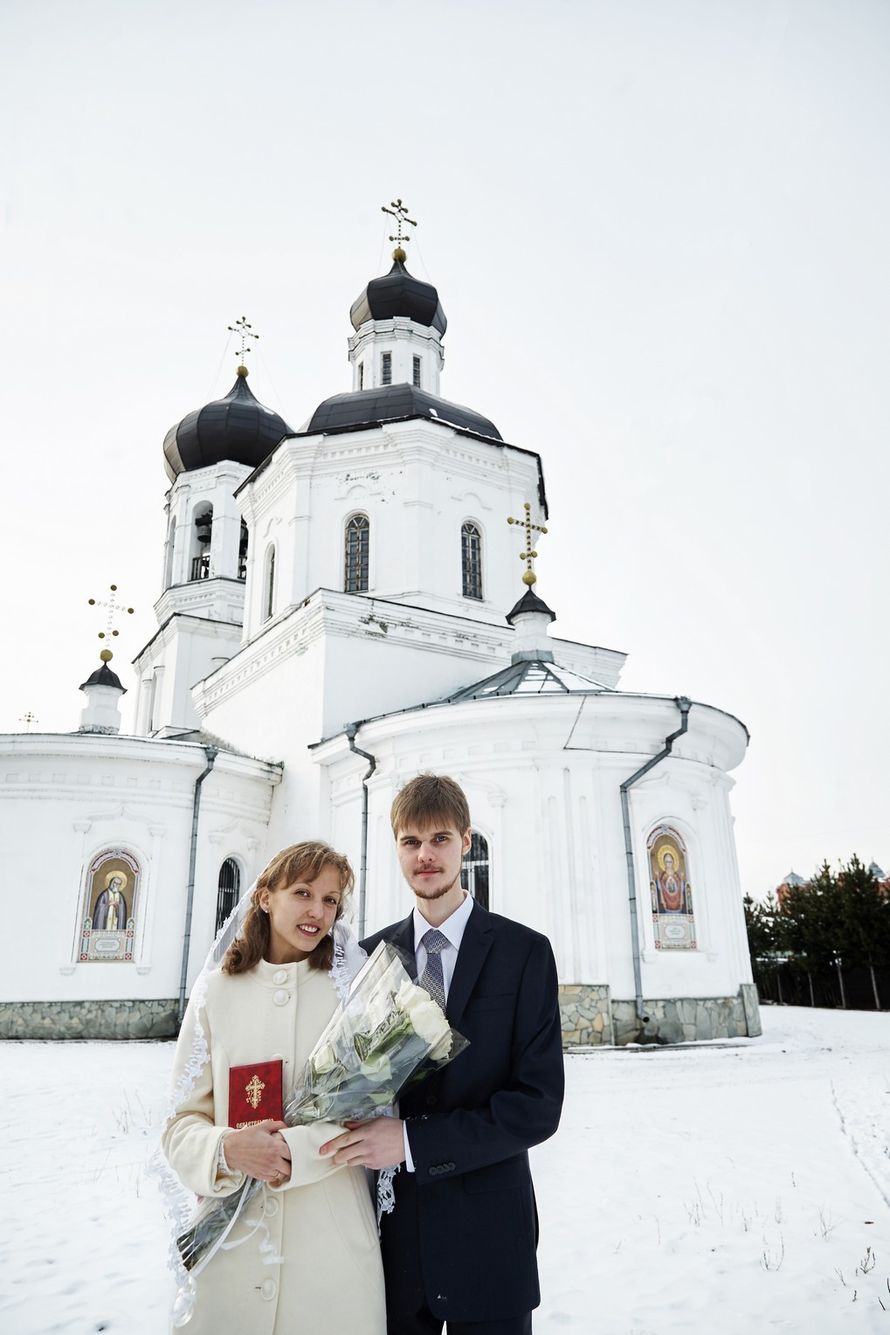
(386, 1030)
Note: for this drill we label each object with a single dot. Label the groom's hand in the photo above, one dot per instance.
(260, 1151)
(375, 1144)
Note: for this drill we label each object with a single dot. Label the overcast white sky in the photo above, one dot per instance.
(660, 230)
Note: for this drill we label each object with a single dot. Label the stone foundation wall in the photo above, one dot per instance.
(88, 1019)
(590, 1017)
(586, 1014)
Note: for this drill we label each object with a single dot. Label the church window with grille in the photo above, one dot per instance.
(474, 875)
(243, 543)
(471, 560)
(200, 566)
(269, 585)
(357, 548)
(361, 375)
(386, 368)
(228, 891)
(416, 372)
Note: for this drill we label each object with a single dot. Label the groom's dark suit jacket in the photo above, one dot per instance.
(463, 1234)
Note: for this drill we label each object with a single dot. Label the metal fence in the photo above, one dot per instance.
(788, 984)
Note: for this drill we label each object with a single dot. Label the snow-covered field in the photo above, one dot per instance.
(716, 1190)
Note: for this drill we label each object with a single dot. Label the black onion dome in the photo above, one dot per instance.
(237, 428)
(394, 403)
(399, 293)
(103, 676)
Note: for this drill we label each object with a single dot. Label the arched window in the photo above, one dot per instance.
(357, 547)
(475, 869)
(269, 584)
(203, 528)
(228, 891)
(471, 560)
(242, 551)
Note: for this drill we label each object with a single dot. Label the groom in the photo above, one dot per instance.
(460, 1245)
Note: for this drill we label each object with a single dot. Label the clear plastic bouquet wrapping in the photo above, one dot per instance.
(387, 1031)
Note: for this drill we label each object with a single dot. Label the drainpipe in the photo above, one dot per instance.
(684, 705)
(351, 731)
(211, 752)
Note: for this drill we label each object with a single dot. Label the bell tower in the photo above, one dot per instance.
(399, 324)
(200, 612)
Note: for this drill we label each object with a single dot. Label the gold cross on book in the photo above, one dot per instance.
(254, 1091)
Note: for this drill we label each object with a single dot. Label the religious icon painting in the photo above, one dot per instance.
(673, 915)
(109, 923)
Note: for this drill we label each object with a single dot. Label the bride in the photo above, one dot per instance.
(264, 1006)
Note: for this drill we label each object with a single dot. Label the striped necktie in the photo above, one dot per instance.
(434, 942)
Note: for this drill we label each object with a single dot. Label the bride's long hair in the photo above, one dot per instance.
(300, 862)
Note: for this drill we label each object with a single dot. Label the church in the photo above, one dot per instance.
(342, 607)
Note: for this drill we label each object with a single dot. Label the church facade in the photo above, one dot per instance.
(342, 609)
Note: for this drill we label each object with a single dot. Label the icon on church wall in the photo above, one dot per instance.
(673, 917)
(109, 925)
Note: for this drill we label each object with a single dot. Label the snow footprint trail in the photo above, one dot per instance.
(711, 1189)
(863, 1117)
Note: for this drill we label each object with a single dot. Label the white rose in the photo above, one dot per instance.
(443, 1047)
(425, 1016)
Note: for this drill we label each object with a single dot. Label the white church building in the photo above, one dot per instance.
(342, 608)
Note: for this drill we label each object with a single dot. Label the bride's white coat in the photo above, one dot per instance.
(322, 1221)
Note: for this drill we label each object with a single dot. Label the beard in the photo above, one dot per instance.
(423, 893)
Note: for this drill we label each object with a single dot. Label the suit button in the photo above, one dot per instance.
(279, 976)
(268, 1289)
(281, 998)
(271, 1206)
(431, 1100)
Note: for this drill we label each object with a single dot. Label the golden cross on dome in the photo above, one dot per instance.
(399, 211)
(529, 555)
(28, 718)
(245, 331)
(254, 1091)
(112, 607)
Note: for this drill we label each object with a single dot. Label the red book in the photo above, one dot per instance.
(255, 1094)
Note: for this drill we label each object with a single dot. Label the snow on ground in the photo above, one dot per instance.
(710, 1190)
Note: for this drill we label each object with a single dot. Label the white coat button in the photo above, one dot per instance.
(268, 1289)
(271, 1205)
(281, 998)
(279, 976)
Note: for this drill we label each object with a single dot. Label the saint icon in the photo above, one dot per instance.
(110, 913)
(670, 882)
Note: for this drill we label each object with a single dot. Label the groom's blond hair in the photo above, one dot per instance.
(429, 798)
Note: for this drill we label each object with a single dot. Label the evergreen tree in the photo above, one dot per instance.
(759, 927)
(864, 926)
(810, 920)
